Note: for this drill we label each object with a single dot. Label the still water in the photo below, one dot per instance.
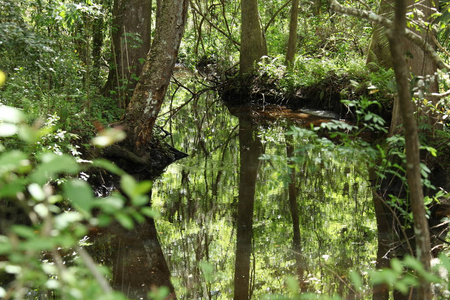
(254, 210)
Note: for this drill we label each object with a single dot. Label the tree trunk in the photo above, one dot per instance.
(379, 45)
(402, 75)
(253, 42)
(250, 149)
(143, 266)
(97, 43)
(418, 62)
(292, 42)
(149, 93)
(130, 44)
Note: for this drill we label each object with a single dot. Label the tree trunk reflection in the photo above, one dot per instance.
(250, 151)
(296, 240)
(135, 258)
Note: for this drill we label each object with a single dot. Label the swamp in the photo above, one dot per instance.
(215, 149)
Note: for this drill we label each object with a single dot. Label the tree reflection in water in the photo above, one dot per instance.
(201, 199)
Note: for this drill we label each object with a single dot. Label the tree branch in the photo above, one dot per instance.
(214, 25)
(275, 14)
(90, 264)
(412, 36)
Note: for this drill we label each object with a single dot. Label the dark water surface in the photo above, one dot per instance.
(232, 223)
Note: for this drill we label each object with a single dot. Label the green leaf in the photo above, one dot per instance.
(36, 191)
(138, 217)
(12, 161)
(38, 244)
(356, 280)
(5, 245)
(52, 165)
(79, 193)
(208, 270)
(124, 220)
(396, 265)
(2, 82)
(128, 185)
(149, 212)
(160, 293)
(11, 189)
(108, 137)
(413, 263)
(139, 200)
(143, 187)
(7, 129)
(23, 231)
(28, 134)
(11, 115)
(431, 150)
(292, 284)
(64, 220)
(41, 209)
(108, 166)
(111, 204)
(424, 170)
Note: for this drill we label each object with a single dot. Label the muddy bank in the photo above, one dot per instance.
(324, 95)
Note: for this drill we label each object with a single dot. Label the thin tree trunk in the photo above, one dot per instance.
(421, 230)
(292, 42)
(97, 43)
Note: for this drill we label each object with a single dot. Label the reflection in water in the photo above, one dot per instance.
(250, 150)
(201, 199)
(135, 258)
(296, 237)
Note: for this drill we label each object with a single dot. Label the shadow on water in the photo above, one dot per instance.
(233, 225)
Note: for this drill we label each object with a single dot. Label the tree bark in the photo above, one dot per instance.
(292, 42)
(402, 75)
(149, 93)
(379, 45)
(131, 34)
(97, 44)
(253, 42)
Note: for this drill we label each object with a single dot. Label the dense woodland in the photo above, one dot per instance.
(214, 149)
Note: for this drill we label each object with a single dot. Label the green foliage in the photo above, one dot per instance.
(46, 53)
(43, 252)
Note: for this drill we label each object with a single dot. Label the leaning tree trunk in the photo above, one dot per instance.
(253, 42)
(149, 93)
(402, 75)
(143, 159)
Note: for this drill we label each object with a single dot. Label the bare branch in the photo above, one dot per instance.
(225, 34)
